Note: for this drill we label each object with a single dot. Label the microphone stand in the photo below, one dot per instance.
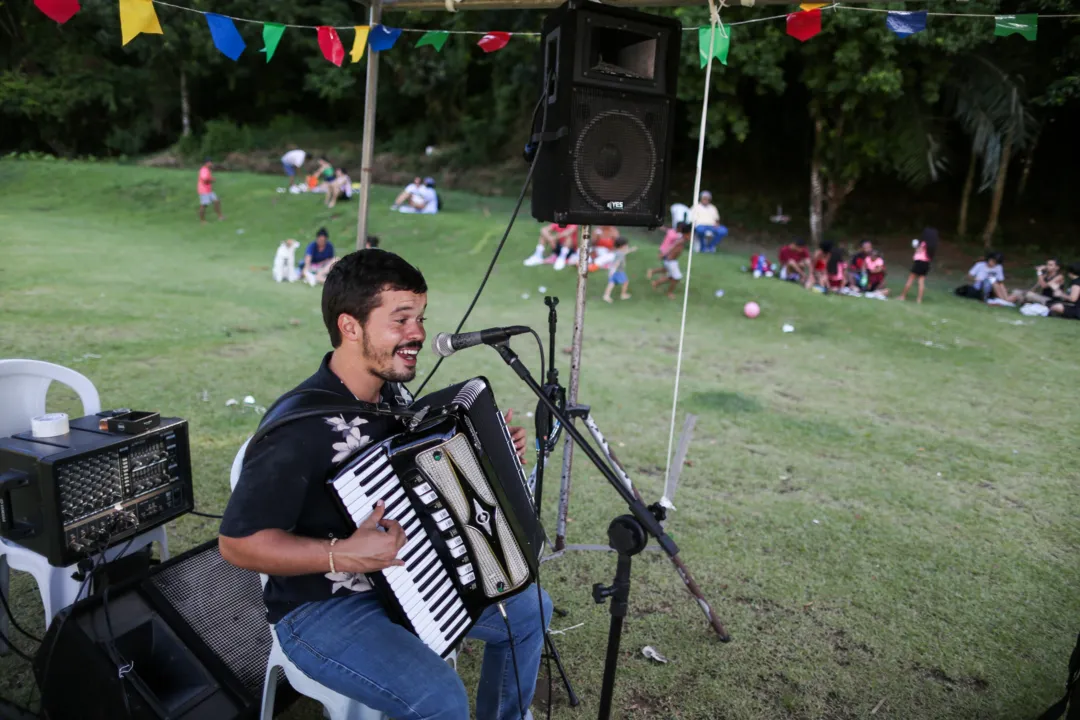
(545, 443)
(626, 533)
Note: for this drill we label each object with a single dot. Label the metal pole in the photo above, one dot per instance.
(368, 146)
(584, 248)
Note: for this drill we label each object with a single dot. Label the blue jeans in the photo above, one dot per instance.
(709, 236)
(350, 645)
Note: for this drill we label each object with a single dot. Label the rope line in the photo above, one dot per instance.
(714, 14)
(695, 28)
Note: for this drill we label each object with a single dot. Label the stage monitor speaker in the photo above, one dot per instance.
(607, 122)
(189, 641)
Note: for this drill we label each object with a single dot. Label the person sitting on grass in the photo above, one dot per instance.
(925, 248)
(559, 239)
(859, 278)
(318, 259)
(372, 241)
(986, 278)
(708, 231)
(1048, 279)
(418, 197)
(794, 261)
(670, 250)
(836, 270)
(1066, 301)
(818, 274)
(875, 273)
(339, 186)
(617, 271)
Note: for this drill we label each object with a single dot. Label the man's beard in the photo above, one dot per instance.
(382, 365)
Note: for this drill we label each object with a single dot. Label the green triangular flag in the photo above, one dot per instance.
(1026, 25)
(720, 44)
(272, 33)
(434, 38)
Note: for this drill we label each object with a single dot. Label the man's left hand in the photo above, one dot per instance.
(517, 434)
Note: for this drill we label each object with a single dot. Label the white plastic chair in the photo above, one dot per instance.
(337, 706)
(24, 385)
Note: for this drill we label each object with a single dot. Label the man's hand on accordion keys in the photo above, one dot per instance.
(373, 547)
(517, 434)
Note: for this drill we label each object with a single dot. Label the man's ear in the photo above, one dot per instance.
(350, 328)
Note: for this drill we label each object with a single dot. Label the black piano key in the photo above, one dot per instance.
(439, 615)
(374, 474)
(422, 557)
(455, 629)
(411, 527)
(431, 577)
(425, 564)
(407, 558)
(453, 622)
(441, 596)
(396, 503)
(434, 590)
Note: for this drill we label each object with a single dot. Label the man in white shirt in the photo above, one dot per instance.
(418, 197)
(292, 161)
(708, 232)
(985, 278)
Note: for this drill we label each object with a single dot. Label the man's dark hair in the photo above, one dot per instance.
(996, 257)
(683, 228)
(621, 242)
(354, 283)
(343, 171)
(864, 241)
(322, 233)
(372, 241)
(1074, 268)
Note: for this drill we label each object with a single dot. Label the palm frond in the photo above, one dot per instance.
(989, 104)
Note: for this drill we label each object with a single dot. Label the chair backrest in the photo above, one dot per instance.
(24, 385)
(237, 463)
(679, 213)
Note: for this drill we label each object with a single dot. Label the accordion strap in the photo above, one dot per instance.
(312, 402)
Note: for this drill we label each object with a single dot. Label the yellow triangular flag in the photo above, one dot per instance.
(811, 6)
(359, 43)
(138, 16)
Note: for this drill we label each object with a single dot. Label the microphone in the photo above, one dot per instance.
(446, 344)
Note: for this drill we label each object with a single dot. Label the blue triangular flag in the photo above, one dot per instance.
(906, 23)
(382, 37)
(226, 37)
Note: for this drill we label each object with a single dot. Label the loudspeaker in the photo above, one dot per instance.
(189, 641)
(607, 117)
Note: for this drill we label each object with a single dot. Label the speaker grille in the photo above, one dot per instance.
(224, 607)
(617, 155)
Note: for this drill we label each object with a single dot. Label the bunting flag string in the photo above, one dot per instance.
(272, 33)
(359, 42)
(225, 35)
(139, 16)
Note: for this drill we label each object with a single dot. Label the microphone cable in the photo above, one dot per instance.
(513, 656)
(506, 233)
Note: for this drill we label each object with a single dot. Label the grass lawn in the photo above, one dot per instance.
(882, 505)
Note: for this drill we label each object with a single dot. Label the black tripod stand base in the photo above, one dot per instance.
(553, 653)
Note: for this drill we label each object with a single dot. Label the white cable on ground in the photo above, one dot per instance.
(714, 19)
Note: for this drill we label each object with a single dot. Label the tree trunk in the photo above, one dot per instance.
(834, 198)
(965, 198)
(185, 106)
(1029, 160)
(816, 190)
(999, 192)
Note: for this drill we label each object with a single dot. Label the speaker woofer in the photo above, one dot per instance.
(615, 161)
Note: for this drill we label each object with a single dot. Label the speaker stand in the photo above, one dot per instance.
(584, 249)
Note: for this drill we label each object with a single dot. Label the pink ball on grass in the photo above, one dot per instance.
(751, 310)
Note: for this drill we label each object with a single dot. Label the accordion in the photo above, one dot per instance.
(455, 484)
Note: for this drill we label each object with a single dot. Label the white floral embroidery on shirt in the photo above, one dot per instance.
(356, 582)
(353, 439)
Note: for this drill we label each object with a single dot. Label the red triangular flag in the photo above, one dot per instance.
(804, 25)
(58, 10)
(495, 40)
(330, 44)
